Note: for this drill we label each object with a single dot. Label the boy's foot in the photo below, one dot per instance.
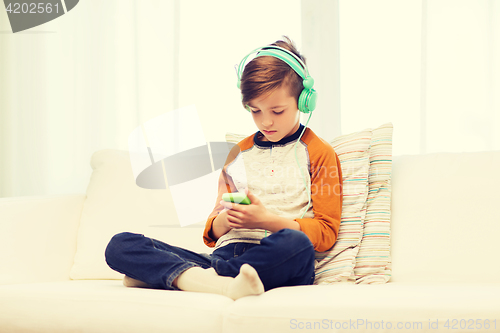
(130, 282)
(244, 284)
(198, 279)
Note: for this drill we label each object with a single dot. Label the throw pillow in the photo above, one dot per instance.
(373, 261)
(116, 204)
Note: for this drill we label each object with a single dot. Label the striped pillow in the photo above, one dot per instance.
(373, 261)
(338, 263)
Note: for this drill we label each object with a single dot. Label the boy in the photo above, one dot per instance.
(271, 242)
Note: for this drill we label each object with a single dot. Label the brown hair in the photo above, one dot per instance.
(264, 74)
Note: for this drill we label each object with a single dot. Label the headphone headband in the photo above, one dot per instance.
(283, 54)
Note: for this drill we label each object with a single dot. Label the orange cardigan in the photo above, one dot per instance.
(326, 191)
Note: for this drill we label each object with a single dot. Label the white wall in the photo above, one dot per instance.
(432, 68)
(215, 36)
(380, 68)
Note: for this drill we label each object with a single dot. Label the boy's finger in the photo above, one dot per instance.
(225, 204)
(251, 196)
(228, 205)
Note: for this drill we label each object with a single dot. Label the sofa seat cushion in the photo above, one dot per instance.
(363, 308)
(107, 306)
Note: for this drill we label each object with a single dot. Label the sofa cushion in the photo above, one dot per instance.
(385, 307)
(114, 204)
(445, 226)
(38, 237)
(373, 261)
(107, 306)
(353, 150)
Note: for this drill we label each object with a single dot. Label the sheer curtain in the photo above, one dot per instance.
(85, 81)
(320, 34)
(75, 85)
(430, 67)
(462, 75)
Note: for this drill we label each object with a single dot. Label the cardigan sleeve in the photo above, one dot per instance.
(225, 185)
(326, 197)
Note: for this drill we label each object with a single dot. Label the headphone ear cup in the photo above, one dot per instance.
(311, 103)
(307, 100)
(302, 101)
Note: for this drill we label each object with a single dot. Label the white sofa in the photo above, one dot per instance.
(445, 268)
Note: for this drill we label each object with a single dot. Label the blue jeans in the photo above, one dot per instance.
(284, 258)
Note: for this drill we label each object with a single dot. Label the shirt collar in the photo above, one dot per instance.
(283, 141)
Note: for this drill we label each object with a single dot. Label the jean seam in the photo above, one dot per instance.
(185, 266)
(152, 242)
(217, 265)
(197, 262)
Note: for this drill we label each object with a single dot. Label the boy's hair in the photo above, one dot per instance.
(264, 74)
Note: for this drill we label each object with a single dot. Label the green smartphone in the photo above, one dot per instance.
(237, 197)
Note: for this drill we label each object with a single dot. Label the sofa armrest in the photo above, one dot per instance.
(38, 237)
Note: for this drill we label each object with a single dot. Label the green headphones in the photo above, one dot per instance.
(308, 96)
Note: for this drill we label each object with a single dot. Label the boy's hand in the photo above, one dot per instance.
(253, 216)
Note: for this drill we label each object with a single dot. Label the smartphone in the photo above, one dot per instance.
(237, 197)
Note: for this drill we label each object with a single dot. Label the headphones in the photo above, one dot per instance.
(308, 96)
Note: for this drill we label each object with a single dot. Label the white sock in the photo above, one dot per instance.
(246, 283)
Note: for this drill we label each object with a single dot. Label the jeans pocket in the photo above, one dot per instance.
(238, 250)
(241, 248)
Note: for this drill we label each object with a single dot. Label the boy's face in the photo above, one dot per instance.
(276, 114)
